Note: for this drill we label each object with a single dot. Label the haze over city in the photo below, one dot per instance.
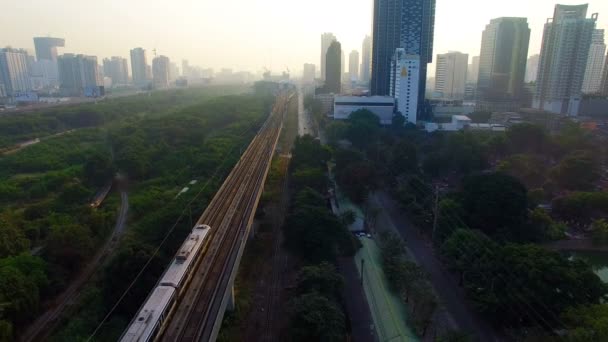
(323, 170)
(250, 35)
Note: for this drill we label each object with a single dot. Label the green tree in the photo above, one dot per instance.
(316, 318)
(6, 331)
(69, 245)
(449, 219)
(309, 197)
(313, 177)
(364, 128)
(424, 304)
(398, 122)
(12, 239)
(496, 204)
(587, 323)
(21, 292)
(599, 231)
(526, 137)
(404, 158)
(577, 171)
(98, 169)
(336, 131)
(307, 151)
(529, 169)
(322, 278)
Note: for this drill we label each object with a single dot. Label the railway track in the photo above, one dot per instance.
(229, 214)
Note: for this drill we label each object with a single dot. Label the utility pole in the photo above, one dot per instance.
(362, 270)
(435, 212)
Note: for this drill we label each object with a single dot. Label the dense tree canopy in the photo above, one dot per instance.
(316, 318)
(502, 277)
(496, 204)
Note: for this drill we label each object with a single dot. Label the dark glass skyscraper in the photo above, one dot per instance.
(333, 68)
(502, 64)
(407, 24)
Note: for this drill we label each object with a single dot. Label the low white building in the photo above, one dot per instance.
(405, 73)
(460, 122)
(382, 106)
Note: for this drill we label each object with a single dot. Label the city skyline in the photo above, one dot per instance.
(276, 48)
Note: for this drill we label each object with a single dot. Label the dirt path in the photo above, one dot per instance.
(42, 327)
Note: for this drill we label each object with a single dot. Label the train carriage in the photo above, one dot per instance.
(150, 318)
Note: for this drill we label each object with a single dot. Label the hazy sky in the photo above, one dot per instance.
(248, 34)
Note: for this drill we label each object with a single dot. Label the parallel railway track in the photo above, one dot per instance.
(230, 215)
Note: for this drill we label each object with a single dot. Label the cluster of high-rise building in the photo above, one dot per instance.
(23, 76)
(571, 63)
(393, 61)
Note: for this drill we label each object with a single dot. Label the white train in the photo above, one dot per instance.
(148, 323)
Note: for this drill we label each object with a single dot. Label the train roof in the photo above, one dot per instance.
(184, 258)
(142, 327)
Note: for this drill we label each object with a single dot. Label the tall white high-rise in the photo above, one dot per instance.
(308, 73)
(473, 70)
(595, 63)
(161, 71)
(14, 71)
(139, 67)
(404, 83)
(79, 75)
(116, 68)
(563, 58)
(326, 40)
(451, 75)
(532, 68)
(353, 65)
(366, 60)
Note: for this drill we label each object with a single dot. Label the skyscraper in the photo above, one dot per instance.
(333, 69)
(451, 74)
(46, 47)
(532, 68)
(116, 68)
(502, 64)
(14, 71)
(308, 74)
(407, 24)
(186, 68)
(173, 71)
(595, 63)
(366, 59)
(160, 71)
(404, 82)
(78, 74)
(353, 65)
(473, 70)
(342, 63)
(563, 57)
(326, 40)
(139, 66)
(604, 86)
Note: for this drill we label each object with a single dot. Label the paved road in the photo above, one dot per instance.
(304, 120)
(576, 245)
(356, 303)
(42, 328)
(446, 286)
